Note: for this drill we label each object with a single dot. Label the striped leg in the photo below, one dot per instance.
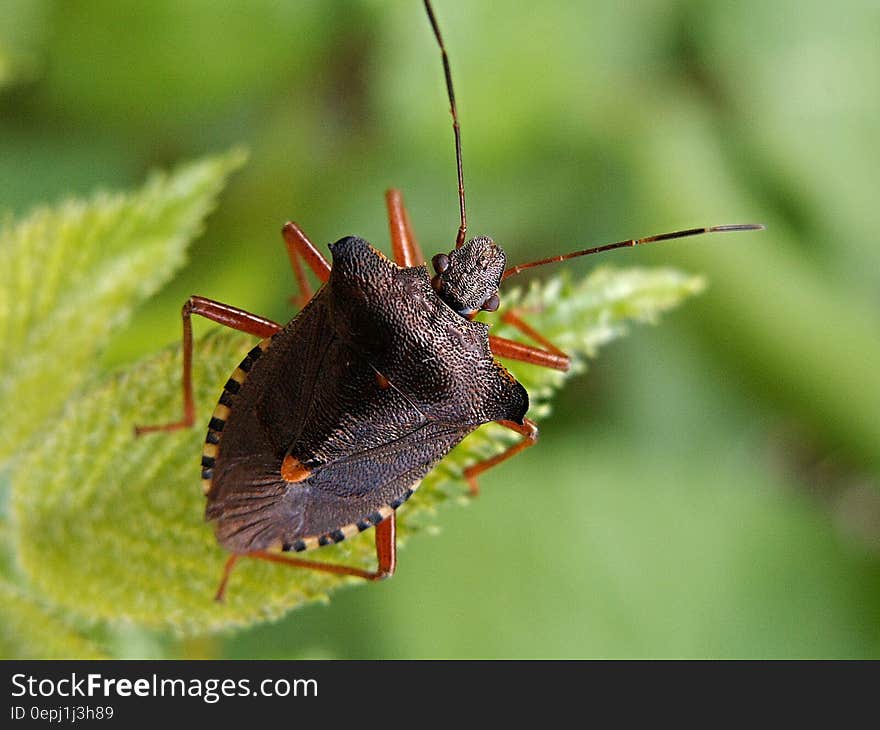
(529, 431)
(299, 249)
(386, 555)
(224, 314)
(403, 243)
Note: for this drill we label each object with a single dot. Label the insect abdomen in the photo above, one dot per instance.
(222, 411)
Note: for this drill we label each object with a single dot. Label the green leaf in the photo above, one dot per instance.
(72, 274)
(30, 630)
(110, 526)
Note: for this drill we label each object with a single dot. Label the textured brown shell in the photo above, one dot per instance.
(364, 391)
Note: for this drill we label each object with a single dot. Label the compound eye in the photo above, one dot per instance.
(492, 303)
(440, 262)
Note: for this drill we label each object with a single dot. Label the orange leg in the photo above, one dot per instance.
(502, 347)
(386, 555)
(300, 248)
(224, 314)
(549, 357)
(403, 243)
(512, 318)
(529, 431)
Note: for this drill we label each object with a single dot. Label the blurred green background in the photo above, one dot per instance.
(710, 487)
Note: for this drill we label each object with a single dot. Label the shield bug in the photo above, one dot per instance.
(330, 422)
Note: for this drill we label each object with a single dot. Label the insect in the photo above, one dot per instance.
(329, 423)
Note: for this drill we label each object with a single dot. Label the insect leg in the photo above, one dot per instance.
(386, 555)
(529, 431)
(549, 357)
(403, 242)
(513, 319)
(299, 248)
(513, 350)
(224, 314)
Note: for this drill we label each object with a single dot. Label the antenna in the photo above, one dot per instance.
(462, 229)
(514, 270)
